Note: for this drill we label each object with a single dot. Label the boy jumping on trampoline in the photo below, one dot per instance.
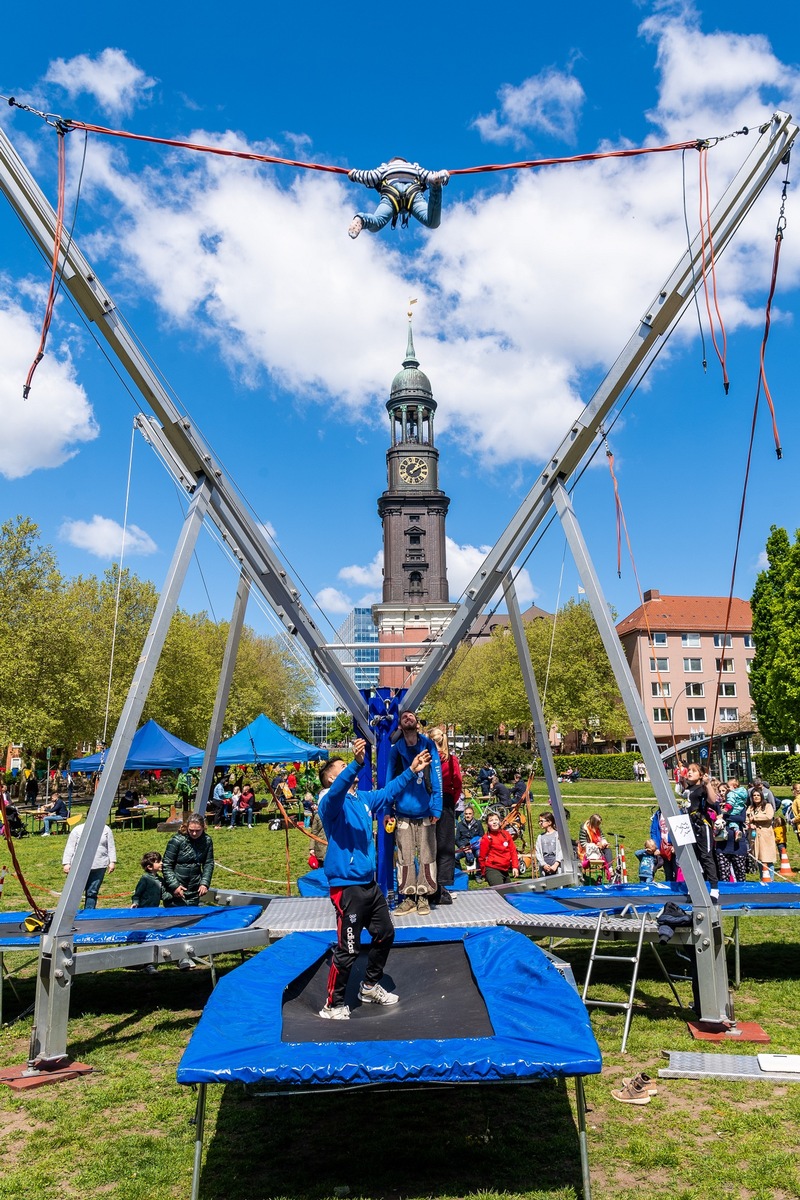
(402, 186)
(347, 817)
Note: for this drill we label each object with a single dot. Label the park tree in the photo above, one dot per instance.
(482, 687)
(59, 639)
(33, 636)
(775, 673)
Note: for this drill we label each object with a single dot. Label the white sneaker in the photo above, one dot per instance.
(375, 994)
(356, 225)
(45, 835)
(337, 1012)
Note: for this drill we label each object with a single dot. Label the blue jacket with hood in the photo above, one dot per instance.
(347, 820)
(414, 800)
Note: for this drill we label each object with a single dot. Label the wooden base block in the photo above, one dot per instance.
(743, 1031)
(20, 1079)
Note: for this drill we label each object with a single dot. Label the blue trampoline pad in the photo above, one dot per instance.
(541, 1029)
(650, 897)
(128, 926)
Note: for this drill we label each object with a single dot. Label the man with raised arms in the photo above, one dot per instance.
(347, 817)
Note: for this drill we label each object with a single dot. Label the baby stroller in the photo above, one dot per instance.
(16, 825)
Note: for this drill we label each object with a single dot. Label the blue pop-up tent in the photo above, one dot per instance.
(262, 741)
(152, 749)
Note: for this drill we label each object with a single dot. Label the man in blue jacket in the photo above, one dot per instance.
(418, 808)
(347, 817)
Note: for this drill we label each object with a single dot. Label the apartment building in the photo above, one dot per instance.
(684, 663)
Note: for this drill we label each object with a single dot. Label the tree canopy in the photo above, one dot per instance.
(56, 639)
(482, 687)
(775, 673)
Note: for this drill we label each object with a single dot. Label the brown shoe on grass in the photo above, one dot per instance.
(632, 1094)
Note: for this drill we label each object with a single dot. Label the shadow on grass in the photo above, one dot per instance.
(443, 1141)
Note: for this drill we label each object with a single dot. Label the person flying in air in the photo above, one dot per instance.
(406, 189)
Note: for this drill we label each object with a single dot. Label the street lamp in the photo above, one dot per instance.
(700, 733)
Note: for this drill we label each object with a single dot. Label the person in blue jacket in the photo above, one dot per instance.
(418, 808)
(347, 817)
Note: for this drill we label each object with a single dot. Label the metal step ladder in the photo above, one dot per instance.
(633, 959)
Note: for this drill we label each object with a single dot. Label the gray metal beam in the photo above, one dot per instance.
(223, 691)
(543, 741)
(658, 321)
(249, 545)
(709, 945)
(180, 443)
(57, 954)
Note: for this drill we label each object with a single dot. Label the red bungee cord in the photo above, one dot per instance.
(51, 295)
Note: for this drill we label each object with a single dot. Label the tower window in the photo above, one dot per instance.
(415, 539)
(415, 582)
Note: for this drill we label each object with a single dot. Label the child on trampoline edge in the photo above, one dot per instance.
(347, 817)
(402, 186)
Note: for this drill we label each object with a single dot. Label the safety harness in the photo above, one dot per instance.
(401, 200)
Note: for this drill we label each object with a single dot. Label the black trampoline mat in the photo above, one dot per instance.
(439, 998)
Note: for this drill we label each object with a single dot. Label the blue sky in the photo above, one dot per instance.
(280, 336)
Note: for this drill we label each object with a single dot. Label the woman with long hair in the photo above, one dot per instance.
(760, 815)
(452, 787)
(189, 862)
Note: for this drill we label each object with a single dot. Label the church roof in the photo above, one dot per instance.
(410, 383)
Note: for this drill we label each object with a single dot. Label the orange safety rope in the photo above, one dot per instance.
(707, 240)
(38, 912)
(618, 508)
(250, 156)
(51, 295)
(576, 158)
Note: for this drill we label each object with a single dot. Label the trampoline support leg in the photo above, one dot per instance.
(737, 955)
(213, 966)
(665, 973)
(580, 1105)
(199, 1129)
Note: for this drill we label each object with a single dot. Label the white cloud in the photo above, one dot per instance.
(463, 563)
(334, 602)
(549, 102)
(370, 576)
(46, 429)
(116, 83)
(103, 537)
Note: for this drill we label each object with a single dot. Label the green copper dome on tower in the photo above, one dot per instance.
(410, 383)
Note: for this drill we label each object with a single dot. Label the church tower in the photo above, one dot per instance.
(416, 603)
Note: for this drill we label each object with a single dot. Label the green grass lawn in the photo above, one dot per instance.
(123, 1132)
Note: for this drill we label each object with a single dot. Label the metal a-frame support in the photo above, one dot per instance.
(223, 691)
(189, 458)
(569, 872)
(707, 936)
(56, 949)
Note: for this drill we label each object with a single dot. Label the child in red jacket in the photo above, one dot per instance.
(497, 855)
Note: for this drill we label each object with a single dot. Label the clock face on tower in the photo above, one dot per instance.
(413, 469)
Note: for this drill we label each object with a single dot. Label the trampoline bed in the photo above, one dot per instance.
(477, 1006)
